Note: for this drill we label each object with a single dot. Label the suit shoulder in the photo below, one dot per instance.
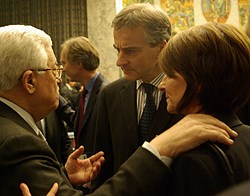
(102, 78)
(117, 85)
(100, 83)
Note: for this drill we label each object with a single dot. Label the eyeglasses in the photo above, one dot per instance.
(56, 71)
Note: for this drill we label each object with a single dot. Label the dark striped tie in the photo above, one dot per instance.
(148, 112)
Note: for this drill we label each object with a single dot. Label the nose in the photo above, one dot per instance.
(121, 60)
(161, 86)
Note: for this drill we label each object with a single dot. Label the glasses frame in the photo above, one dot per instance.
(57, 72)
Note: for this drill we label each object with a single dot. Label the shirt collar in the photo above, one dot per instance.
(91, 83)
(155, 82)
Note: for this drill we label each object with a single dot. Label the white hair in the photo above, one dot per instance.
(22, 48)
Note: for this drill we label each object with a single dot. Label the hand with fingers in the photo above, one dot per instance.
(82, 171)
(26, 192)
(192, 131)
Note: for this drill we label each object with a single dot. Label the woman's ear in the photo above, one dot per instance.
(28, 81)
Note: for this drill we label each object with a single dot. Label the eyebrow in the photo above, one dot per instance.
(127, 47)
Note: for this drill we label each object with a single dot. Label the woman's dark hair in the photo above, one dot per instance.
(214, 60)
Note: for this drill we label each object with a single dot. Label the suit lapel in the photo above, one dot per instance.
(91, 103)
(129, 111)
(162, 120)
(93, 97)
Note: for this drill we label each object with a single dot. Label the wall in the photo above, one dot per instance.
(100, 15)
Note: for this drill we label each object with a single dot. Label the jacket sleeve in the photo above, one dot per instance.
(142, 174)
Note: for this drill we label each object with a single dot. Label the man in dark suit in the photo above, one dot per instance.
(140, 33)
(80, 60)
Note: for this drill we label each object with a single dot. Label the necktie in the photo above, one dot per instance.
(81, 115)
(148, 112)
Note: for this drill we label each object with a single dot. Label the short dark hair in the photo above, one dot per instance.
(214, 60)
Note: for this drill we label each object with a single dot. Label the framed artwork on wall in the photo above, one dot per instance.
(128, 2)
(187, 13)
(244, 8)
(217, 11)
(181, 13)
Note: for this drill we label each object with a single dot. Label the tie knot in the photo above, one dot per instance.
(149, 88)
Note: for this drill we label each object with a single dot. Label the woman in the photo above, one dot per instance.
(207, 71)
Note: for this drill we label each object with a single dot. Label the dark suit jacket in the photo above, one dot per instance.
(87, 134)
(65, 112)
(201, 172)
(242, 189)
(117, 131)
(56, 134)
(71, 95)
(244, 113)
(24, 157)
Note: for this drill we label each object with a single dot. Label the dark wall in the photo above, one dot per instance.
(61, 19)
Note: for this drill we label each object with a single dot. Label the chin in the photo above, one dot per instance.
(56, 104)
(171, 110)
(131, 77)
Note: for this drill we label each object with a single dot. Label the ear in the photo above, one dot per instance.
(28, 81)
(80, 65)
(162, 44)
